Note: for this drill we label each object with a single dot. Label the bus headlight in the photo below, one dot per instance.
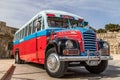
(69, 44)
(105, 45)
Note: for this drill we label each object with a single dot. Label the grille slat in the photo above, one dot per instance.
(89, 41)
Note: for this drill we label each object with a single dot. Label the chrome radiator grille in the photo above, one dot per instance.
(89, 41)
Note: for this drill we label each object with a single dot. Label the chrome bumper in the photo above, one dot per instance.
(84, 58)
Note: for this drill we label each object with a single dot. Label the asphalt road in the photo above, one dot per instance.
(31, 71)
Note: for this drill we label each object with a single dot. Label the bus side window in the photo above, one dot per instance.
(34, 25)
(25, 31)
(20, 34)
(42, 23)
(39, 24)
(30, 29)
(16, 35)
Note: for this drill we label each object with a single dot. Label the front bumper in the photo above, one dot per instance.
(88, 58)
(84, 58)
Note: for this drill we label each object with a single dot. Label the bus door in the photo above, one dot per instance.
(41, 40)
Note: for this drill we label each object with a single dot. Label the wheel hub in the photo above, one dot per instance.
(53, 62)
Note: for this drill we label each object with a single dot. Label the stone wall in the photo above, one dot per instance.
(113, 38)
(6, 36)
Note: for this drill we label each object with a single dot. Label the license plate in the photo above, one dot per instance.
(93, 63)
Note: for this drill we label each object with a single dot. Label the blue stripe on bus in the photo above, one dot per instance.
(36, 34)
(16, 42)
(29, 37)
(39, 33)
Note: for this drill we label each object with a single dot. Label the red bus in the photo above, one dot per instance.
(58, 39)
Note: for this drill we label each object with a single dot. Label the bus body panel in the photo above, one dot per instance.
(72, 34)
(41, 46)
(32, 48)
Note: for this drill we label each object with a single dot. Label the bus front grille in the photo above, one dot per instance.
(89, 41)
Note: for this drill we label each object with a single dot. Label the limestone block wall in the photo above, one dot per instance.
(6, 36)
(113, 38)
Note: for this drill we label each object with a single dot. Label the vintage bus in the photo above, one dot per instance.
(58, 40)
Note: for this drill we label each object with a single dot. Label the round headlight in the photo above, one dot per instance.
(105, 45)
(69, 44)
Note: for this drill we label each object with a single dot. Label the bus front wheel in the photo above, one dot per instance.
(97, 69)
(53, 65)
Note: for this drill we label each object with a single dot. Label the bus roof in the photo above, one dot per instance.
(51, 12)
(59, 12)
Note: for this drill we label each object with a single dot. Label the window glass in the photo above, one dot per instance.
(25, 31)
(20, 35)
(30, 29)
(63, 22)
(58, 22)
(15, 38)
(39, 24)
(43, 26)
(34, 25)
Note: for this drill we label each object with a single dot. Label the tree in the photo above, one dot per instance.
(101, 30)
(112, 27)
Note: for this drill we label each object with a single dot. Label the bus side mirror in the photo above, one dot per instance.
(10, 46)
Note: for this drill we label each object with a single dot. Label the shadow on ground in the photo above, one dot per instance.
(80, 72)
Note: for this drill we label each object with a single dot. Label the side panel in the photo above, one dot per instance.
(32, 48)
(28, 50)
(41, 46)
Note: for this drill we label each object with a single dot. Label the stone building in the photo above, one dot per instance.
(113, 38)
(6, 36)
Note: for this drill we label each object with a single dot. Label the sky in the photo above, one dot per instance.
(97, 12)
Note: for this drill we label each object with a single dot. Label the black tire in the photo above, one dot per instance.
(97, 69)
(61, 66)
(17, 58)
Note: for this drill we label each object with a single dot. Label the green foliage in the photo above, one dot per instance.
(109, 27)
(101, 30)
(112, 27)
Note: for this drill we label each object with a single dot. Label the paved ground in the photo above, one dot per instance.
(32, 71)
(5, 64)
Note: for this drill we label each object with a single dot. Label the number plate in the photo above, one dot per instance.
(93, 63)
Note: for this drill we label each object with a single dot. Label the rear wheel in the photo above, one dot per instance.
(17, 58)
(53, 65)
(97, 69)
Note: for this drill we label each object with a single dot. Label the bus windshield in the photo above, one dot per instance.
(63, 22)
